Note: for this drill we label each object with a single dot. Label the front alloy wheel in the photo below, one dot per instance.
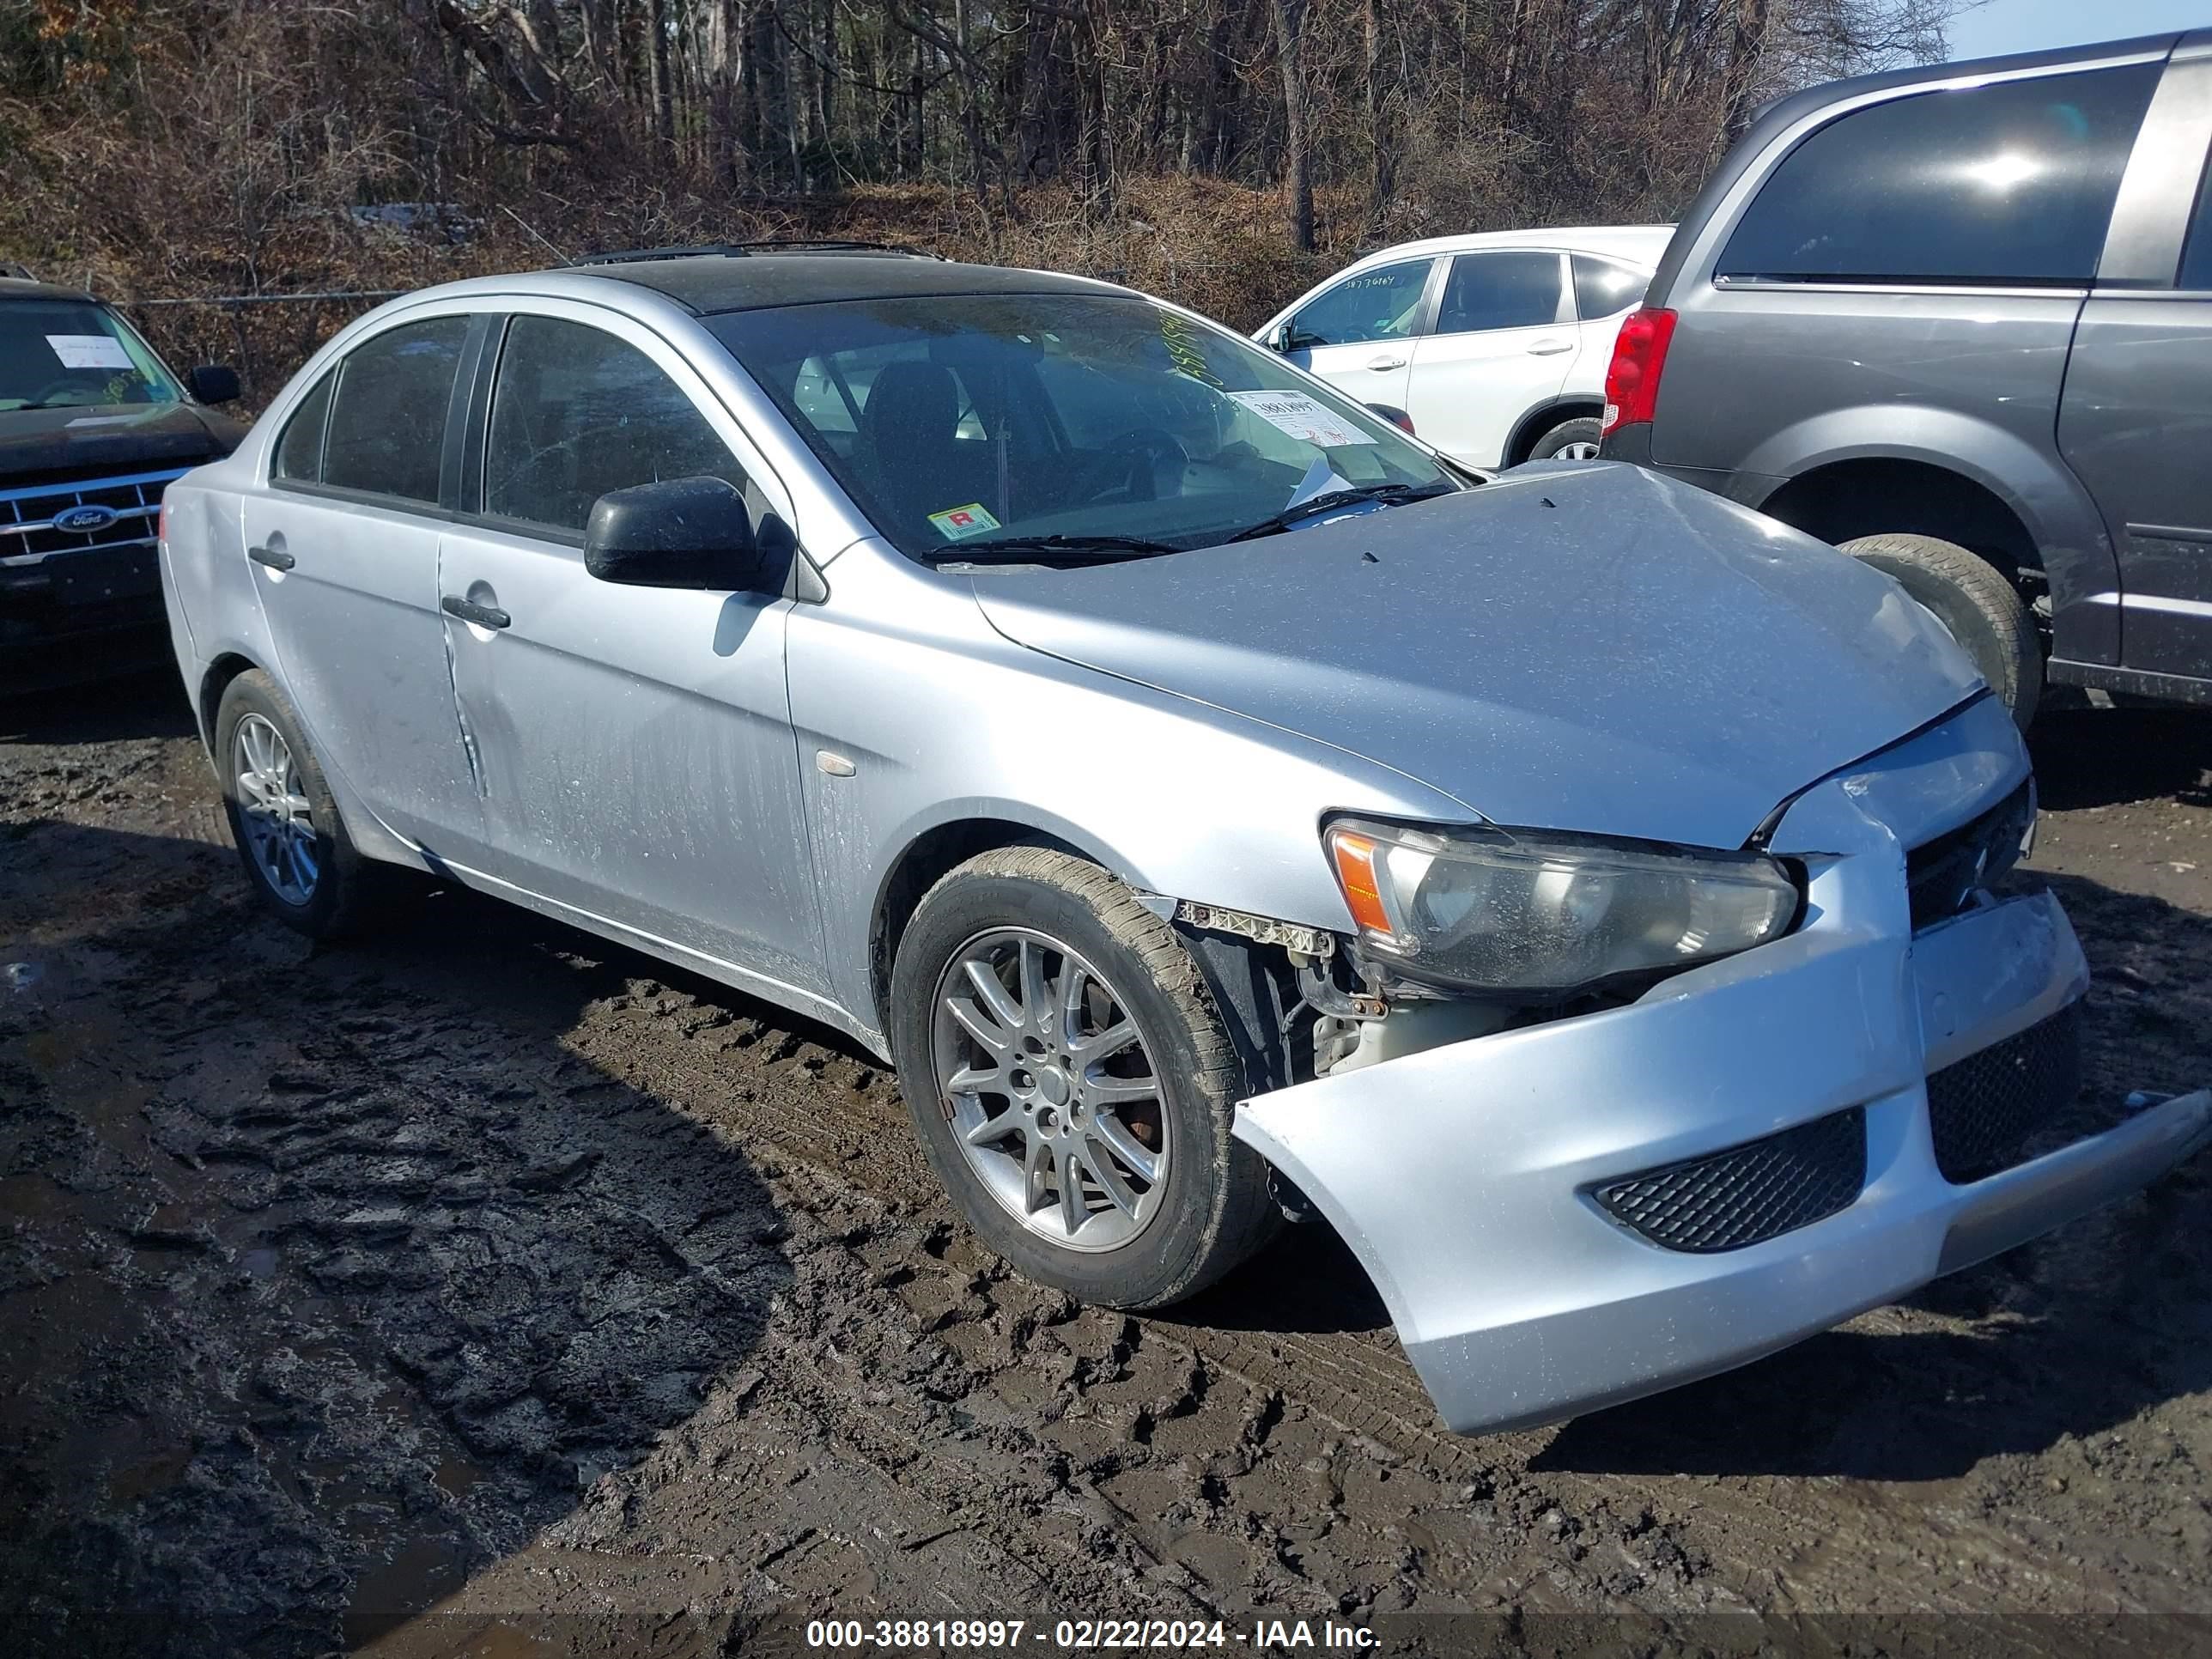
(1052, 1091)
(1073, 1082)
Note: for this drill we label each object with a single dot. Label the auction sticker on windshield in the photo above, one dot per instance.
(1303, 418)
(957, 524)
(89, 351)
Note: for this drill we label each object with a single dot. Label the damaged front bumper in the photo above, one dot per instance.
(1550, 1214)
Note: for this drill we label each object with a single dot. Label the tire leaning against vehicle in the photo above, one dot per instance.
(1215, 1208)
(1585, 430)
(345, 881)
(1971, 598)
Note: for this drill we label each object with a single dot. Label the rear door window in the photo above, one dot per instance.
(1382, 304)
(387, 427)
(1505, 289)
(1605, 288)
(576, 413)
(2007, 183)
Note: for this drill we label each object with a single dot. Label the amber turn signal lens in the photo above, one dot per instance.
(1356, 875)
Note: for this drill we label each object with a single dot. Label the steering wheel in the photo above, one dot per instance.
(45, 393)
(1121, 465)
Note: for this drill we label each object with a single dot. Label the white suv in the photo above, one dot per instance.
(1494, 347)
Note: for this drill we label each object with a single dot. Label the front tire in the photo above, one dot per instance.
(1071, 1082)
(1979, 608)
(303, 866)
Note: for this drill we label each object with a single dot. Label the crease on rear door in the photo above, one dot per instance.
(453, 682)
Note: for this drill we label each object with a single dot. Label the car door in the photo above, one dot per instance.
(1502, 343)
(635, 743)
(344, 546)
(2136, 419)
(1358, 334)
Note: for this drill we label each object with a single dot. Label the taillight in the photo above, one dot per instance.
(1639, 352)
(161, 526)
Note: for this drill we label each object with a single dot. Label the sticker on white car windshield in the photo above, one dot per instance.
(958, 524)
(89, 351)
(1302, 418)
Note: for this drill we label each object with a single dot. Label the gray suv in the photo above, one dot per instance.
(1957, 321)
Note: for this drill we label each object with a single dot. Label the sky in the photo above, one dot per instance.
(2002, 26)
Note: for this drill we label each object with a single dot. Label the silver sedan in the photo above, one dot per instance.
(1572, 887)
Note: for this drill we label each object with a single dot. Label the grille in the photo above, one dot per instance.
(1981, 1110)
(28, 532)
(1943, 874)
(1760, 1190)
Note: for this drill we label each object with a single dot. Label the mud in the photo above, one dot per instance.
(486, 1289)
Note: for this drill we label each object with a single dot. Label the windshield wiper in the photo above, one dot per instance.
(1393, 495)
(1053, 549)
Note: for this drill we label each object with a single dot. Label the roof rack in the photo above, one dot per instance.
(22, 273)
(743, 250)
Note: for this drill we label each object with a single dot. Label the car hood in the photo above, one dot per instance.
(128, 437)
(1580, 647)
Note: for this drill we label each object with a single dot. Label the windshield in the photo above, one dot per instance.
(962, 421)
(69, 354)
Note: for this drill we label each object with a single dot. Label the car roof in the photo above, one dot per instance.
(708, 284)
(1643, 242)
(17, 287)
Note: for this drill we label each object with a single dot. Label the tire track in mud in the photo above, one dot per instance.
(1263, 1461)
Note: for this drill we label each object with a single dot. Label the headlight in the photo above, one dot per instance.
(1490, 910)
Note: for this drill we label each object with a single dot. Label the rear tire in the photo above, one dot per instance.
(1160, 1240)
(302, 866)
(1971, 598)
(1570, 440)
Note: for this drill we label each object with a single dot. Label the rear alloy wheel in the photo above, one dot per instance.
(302, 864)
(1977, 605)
(1570, 440)
(1071, 1082)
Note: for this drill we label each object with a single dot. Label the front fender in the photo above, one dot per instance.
(943, 720)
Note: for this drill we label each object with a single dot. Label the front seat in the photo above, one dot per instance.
(907, 438)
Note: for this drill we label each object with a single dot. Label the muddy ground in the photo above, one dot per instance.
(485, 1289)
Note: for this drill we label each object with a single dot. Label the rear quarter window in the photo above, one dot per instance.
(2008, 183)
(300, 451)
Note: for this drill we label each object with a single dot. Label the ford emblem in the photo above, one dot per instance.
(85, 520)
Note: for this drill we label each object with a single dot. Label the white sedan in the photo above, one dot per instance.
(1494, 346)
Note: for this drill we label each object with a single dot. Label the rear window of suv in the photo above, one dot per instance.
(2008, 183)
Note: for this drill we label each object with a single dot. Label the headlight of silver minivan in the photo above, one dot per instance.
(1489, 910)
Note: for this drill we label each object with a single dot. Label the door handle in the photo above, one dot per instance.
(1550, 348)
(1386, 361)
(483, 616)
(275, 557)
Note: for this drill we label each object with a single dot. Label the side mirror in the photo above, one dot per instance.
(680, 532)
(212, 383)
(1279, 337)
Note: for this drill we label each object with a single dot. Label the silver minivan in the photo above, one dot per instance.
(1214, 805)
